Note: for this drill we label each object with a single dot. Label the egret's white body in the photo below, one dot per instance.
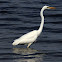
(30, 37)
(27, 38)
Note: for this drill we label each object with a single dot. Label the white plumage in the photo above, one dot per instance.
(30, 37)
(26, 38)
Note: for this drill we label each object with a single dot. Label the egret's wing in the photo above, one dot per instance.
(29, 35)
(27, 38)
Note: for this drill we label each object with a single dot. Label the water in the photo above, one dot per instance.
(18, 17)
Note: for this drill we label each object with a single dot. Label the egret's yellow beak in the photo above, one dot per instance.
(51, 7)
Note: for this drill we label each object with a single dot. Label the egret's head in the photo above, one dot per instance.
(47, 7)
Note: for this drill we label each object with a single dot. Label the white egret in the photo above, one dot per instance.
(31, 37)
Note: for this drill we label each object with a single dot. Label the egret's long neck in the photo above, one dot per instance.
(42, 22)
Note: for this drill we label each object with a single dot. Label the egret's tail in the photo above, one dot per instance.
(16, 42)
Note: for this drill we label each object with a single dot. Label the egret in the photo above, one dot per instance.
(31, 37)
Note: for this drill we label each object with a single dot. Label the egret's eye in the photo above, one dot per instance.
(47, 7)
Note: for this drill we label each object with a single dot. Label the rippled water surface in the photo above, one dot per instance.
(18, 17)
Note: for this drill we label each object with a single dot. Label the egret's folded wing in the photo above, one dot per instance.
(27, 38)
(29, 35)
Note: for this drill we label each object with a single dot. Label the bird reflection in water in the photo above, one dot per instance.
(27, 55)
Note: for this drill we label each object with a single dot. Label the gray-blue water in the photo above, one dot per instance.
(18, 17)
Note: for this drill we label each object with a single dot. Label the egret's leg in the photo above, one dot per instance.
(29, 45)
